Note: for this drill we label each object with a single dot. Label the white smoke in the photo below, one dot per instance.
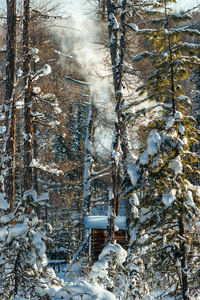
(82, 38)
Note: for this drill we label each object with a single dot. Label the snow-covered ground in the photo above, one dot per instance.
(79, 288)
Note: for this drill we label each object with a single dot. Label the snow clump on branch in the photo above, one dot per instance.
(46, 70)
(3, 203)
(99, 268)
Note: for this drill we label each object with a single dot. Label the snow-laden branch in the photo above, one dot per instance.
(143, 111)
(77, 254)
(35, 164)
(76, 81)
(47, 15)
(46, 70)
(100, 172)
(101, 175)
(3, 49)
(133, 104)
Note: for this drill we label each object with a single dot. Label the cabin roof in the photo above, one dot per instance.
(101, 222)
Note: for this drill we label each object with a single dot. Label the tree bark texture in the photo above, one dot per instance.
(35, 154)
(171, 63)
(10, 101)
(28, 120)
(117, 57)
(88, 164)
(184, 276)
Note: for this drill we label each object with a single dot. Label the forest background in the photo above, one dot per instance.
(85, 130)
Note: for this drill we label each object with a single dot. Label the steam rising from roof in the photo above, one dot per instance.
(82, 40)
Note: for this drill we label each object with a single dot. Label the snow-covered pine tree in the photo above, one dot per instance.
(23, 263)
(165, 228)
(136, 287)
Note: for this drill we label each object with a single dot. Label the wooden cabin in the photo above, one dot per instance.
(99, 234)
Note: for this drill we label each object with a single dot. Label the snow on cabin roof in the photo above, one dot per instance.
(101, 222)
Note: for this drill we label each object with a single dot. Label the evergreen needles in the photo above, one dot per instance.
(165, 228)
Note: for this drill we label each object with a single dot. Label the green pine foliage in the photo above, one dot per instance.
(171, 58)
(165, 228)
(168, 209)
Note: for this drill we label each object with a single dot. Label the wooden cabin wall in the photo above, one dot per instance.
(99, 240)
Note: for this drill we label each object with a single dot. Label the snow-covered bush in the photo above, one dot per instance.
(135, 285)
(83, 291)
(108, 270)
(23, 263)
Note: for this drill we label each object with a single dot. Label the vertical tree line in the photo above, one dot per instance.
(8, 157)
(163, 256)
(116, 44)
(28, 119)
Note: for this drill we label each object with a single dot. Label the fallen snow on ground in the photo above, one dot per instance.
(82, 290)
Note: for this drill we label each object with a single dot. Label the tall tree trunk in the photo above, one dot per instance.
(88, 164)
(10, 109)
(117, 63)
(184, 276)
(35, 154)
(28, 121)
(171, 63)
